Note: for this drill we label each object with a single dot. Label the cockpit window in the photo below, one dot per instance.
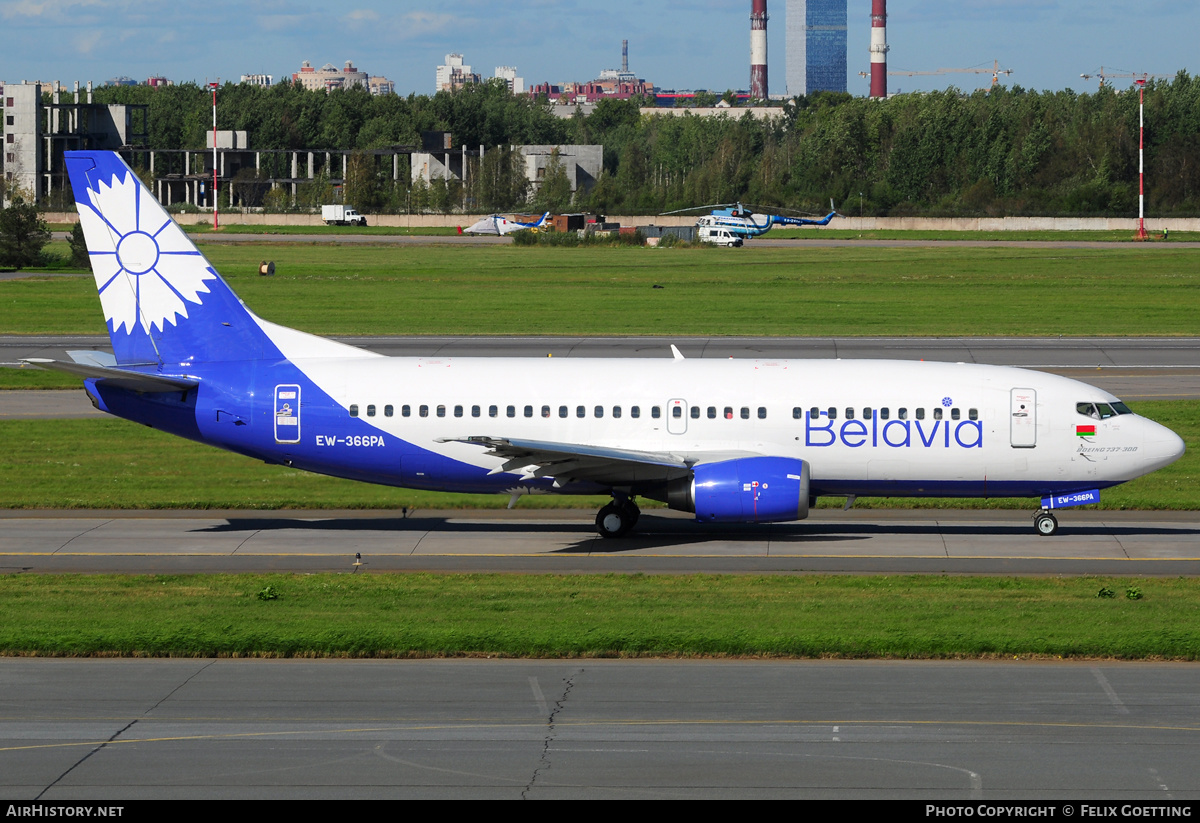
(1102, 411)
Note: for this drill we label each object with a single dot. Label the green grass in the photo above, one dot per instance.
(27, 377)
(439, 289)
(421, 615)
(113, 464)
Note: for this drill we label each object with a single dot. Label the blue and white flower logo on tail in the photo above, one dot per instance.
(165, 305)
(148, 271)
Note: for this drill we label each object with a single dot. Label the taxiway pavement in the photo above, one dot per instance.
(925, 541)
(965, 732)
(1151, 368)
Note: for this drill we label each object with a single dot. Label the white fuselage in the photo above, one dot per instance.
(949, 428)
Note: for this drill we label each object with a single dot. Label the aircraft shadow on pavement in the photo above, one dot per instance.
(664, 532)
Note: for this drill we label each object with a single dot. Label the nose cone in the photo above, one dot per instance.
(1163, 446)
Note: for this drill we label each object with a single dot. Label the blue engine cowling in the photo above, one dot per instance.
(746, 490)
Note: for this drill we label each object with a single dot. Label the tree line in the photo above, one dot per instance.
(1005, 151)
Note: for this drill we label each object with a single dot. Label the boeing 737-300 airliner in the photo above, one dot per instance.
(730, 440)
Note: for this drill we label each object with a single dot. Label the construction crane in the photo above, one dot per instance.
(1107, 75)
(995, 71)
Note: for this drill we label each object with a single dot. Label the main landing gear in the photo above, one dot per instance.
(618, 517)
(1045, 523)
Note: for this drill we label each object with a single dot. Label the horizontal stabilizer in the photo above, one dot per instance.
(121, 378)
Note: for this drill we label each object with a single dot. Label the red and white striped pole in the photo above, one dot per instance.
(1141, 232)
(758, 49)
(213, 86)
(879, 48)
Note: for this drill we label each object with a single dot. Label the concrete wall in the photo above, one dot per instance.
(1155, 224)
(733, 112)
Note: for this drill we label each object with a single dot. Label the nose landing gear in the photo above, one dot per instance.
(617, 518)
(1045, 523)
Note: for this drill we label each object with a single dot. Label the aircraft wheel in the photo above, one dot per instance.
(634, 512)
(615, 521)
(1046, 524)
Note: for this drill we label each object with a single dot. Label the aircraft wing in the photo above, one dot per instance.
(567, 462)
(96, 364)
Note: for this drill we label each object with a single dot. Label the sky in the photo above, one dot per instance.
(679, 44)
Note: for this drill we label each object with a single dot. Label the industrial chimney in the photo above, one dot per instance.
(879, 48)
(758, 49)
(624, 57)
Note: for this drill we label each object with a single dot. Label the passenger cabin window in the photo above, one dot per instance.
(695, 412)
(884, 413)
(441, 411)
(424, 411)
(387, 411)
(563, 411)
(867, 413)
(831, 413)
(475, 411)
(655, 412)
(616, 411)
(849, 412)
(458, 411)
(580, 411)
(677, 412)
(635, 411)
(937, 414)
(545, 411)
(371, 410)
(973, 414)
(762, 412)
(955, 414)
(493, 411)
(712, 412)
(921, 413)
(797, 413)
(729, 412)
(599, 411)
(529, 411)
(406, 411)
(511, 411)
(354, 410)
(745, 413)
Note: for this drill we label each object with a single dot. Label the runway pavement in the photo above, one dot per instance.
(961, 732)
(1152, 368)
(565, 542)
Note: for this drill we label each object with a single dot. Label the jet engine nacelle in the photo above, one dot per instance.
(745, 490)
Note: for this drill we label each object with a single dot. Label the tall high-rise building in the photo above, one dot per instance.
(816, 46)
(453, 75)
(508, 74)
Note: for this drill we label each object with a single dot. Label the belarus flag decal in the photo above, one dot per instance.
(1085, 431)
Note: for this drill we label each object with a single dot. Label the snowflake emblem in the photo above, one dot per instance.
(146, 269)
(947, 402)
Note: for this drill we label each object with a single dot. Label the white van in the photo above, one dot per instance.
(718, 235)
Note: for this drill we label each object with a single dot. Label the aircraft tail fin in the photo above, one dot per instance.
(163, 301)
